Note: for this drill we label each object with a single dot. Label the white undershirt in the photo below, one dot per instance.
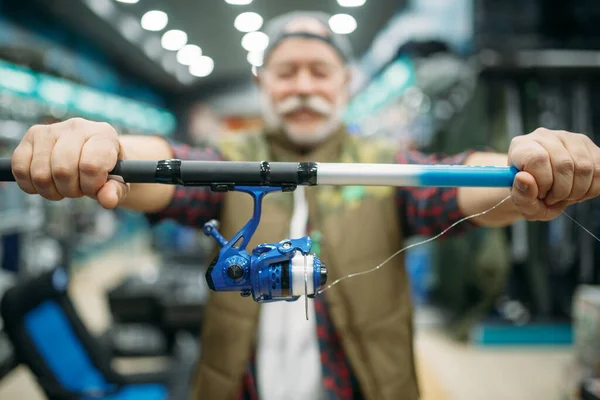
(288, 359)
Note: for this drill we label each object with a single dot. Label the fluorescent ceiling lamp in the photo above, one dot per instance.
(248, 22)
(173, 40)
(238, 2)
(55, 91)
(203, 67)
(342, 24)
(255, 58)
(189, 54)
(19, 81)
(255, 41)
(128, 1)
(351, 3)
(154, 21)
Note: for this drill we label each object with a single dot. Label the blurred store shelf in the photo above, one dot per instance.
(18, 222)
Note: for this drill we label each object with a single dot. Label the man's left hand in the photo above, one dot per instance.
(557, 169)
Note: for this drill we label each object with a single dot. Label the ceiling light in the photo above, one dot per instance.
(351, 3)
(128, 1)
(189, 54)
(255, 41)
(154, 20)
(239, 2)
(173, 40)
(255, 58)
(202, 67)
(342, 24)
(248, 22)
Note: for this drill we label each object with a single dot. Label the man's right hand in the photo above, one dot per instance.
(70, 159)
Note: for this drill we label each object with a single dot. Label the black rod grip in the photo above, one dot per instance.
(133, 171)
(6, 170)
(136, 171)
(205, 173)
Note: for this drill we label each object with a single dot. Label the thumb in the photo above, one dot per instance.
(525, 186)
(524, 194)
(112, 193)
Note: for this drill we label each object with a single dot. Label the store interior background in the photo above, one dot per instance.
(500, 313)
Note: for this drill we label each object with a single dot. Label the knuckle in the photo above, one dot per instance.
(77, 122)
(516, 144)
(585, 139)
(63, 172)
(41, 177)
(36, 131)
(107, 129)
(564, 165)
(20, 171)
(90, 167)
(537, 158)
(19, 166)
(584, 167)
(541, 131)
(517, 140)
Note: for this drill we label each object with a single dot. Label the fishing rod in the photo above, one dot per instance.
(285, 270)
(226, 175)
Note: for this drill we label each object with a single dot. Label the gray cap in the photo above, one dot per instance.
(306, 24)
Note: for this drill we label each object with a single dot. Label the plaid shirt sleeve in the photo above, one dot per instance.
(191, 206)
(428, 211)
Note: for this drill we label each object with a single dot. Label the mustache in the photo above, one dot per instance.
(316, 104)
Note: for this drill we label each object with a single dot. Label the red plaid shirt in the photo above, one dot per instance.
(425, 210)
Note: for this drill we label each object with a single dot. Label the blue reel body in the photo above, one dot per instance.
(272, 271)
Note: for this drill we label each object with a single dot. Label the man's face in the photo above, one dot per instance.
(304, 89)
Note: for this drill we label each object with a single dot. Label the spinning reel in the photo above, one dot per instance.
(272, 271)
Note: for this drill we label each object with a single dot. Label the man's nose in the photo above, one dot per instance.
(304, 84)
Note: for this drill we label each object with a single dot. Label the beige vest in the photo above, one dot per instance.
(360, 227)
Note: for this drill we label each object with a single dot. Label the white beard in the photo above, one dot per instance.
(300, 136)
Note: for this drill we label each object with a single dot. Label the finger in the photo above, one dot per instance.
(528, 155)
(563, 167)
(524, 194)
(65, 164)
(594, 190)
(98, 158)
(40, 168)
(21, 165)
(112, 193)
(579, 146)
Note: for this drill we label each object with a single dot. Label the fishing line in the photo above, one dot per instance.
(581, 226)
(460, 221)
(435, 238)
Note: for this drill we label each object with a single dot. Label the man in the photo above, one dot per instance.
(358, 340)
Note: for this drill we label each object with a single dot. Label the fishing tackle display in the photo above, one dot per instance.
(285, 270)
